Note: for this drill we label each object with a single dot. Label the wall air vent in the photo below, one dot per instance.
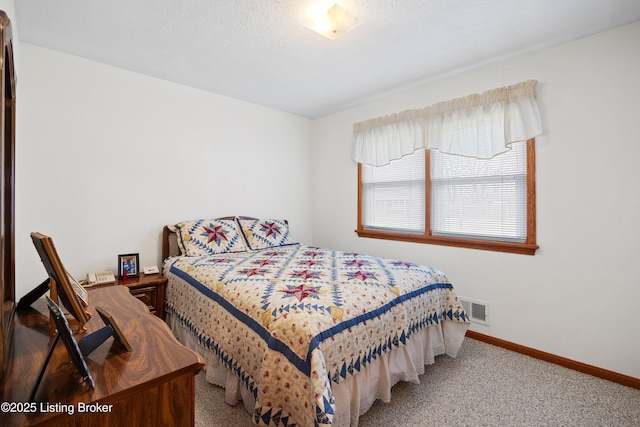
(478, 311)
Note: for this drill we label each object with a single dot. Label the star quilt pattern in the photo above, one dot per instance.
(208, 237)
(265, 233)
(291, 320)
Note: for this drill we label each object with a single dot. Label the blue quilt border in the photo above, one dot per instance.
(304, 365)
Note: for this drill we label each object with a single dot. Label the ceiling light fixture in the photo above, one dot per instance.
(333, 22)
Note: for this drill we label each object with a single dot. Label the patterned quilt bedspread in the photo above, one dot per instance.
(291, 321)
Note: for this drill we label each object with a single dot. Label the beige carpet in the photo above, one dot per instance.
(484, 386)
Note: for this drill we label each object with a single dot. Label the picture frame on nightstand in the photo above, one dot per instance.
(128, 264)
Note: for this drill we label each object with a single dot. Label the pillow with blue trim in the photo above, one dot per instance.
(208, 237)
(266, 233)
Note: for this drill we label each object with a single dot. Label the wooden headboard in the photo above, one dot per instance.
(170, 241)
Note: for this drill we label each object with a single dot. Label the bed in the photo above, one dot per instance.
(302, 335)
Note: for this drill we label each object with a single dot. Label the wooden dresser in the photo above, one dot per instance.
(152, 385)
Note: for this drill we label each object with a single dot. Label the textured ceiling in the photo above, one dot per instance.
(261, 51)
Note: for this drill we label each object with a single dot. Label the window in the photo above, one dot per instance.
(438, 198)
(393, 197)
(481, 195)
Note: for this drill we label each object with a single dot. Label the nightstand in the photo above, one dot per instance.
(148, 288)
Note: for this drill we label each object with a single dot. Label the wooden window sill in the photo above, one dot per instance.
(516, 248)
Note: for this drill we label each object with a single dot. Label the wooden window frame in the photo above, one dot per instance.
(529, 247)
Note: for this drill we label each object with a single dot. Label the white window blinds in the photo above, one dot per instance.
(480, 198)
(393, 196)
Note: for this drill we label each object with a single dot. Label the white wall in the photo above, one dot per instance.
(106, 157)
(99, 168)
(578, 297)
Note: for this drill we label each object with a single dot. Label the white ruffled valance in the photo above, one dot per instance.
(481, 125)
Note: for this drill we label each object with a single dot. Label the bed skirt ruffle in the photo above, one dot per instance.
(357, 393)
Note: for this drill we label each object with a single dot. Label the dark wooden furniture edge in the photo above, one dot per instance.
(7, 183)
(558, 360)
(123, 379)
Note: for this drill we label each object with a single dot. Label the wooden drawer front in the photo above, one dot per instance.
(148, 295)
